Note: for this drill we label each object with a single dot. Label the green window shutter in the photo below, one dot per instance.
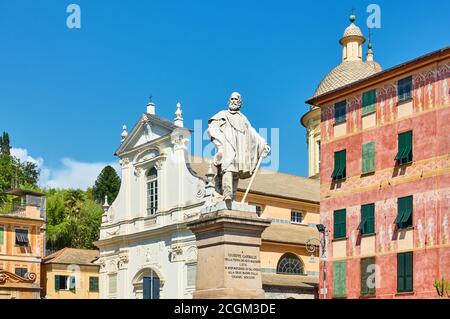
(408, 271)
(408, 146)
(370, 218)
(339, 171)
(404, 212)
(336, 165)
(72, 283)
(369, 102)
(339, 279)
(405, 272)
(400, 273)
(367, 219)
(343, 163)
(339, 223)
(367, 285)
(405, 150)
(1, 236)
(57, 282)
(368, 157)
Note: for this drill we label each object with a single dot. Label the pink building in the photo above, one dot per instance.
(385, 174)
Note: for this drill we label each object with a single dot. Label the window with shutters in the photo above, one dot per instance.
(404, 212)
(340, 223)
(340, 112)
(404, 87)
(22, 237)
(152, 191)
(367, 224)
(340, 170)
(369, 102)
(339, 279)
(62, 282)
(368, 276)
(405, 272)
(405, 148)
(368, 158)
(93, 284)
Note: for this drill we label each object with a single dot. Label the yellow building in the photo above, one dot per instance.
(71, 273)
(22, 244)
(292, 203)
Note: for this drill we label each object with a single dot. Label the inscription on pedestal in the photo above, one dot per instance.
(242, 266)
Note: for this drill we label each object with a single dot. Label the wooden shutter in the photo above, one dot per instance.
(339, 223)
(57, 282)
(156, 286)
(72, 283)
(407, 211)
(400, 273)
(369, 100)
(366, 290)
(408, 274)
(368, 157)
(367, 225)
(147, 288)
(336, 165)
(368, 212)
(339, 278)
(408, 146)
(343, 163)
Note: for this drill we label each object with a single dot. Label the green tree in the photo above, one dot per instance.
(5, 147)
(13, 172)
(107, 183)
(73, 220)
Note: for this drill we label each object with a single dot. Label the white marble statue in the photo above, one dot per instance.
(239, 147)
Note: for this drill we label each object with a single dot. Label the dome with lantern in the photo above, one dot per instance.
(352, 68)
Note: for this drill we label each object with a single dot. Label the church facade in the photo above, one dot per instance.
(146, 250)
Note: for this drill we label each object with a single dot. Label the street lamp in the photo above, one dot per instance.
(311, 246)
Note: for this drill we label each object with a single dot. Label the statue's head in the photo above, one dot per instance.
(235, 102)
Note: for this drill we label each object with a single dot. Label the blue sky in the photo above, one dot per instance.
(65, 93)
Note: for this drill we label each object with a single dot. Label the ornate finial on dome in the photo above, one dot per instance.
(351, 40)
(178, 116)
(151, 107)
(369, 55)
(124, 133)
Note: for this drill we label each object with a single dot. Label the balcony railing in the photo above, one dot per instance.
(12, 208)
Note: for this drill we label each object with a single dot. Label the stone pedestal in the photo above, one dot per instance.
(228, 260)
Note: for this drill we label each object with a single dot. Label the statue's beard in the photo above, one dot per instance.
(233, 106)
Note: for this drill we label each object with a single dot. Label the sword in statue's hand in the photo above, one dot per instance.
(264, 154)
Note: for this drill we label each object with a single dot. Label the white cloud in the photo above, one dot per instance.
(71, 173)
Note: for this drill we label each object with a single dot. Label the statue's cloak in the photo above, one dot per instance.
(242, 145)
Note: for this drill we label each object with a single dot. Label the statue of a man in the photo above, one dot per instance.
(239, 147)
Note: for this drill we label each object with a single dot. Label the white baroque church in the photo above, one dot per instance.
(146, 251)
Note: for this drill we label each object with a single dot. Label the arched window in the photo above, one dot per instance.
(152, 191)
(290, 264)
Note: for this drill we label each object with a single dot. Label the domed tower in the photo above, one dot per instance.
(352, 69)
